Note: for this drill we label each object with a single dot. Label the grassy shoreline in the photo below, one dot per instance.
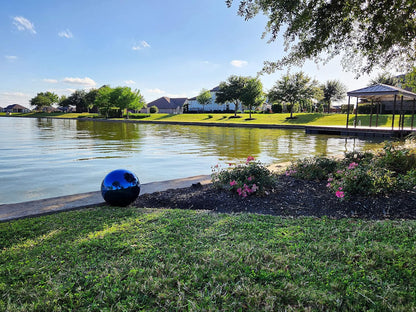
(107, 258)
(302, 119)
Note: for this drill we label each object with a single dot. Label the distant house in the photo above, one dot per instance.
(50, 109)
(1, 109)
(16, 108)
(67, 109)
(195, 106)
(168, 105)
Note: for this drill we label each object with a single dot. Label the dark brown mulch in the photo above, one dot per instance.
(291, 197)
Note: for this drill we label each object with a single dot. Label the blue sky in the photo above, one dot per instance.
(162, 48)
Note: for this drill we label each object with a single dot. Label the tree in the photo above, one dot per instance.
(90, 99)
(204, 98)
(124, 98)
(103, 99)
(334, 90)
(77, 99)
(410, 80)
(292, 89)
(44, 99)
(121, 98)
(385, 78)
(252, 94)
(230, 91)
(368, 33)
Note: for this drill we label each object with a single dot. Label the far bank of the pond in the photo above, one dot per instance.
(331, 123)
(242, 120)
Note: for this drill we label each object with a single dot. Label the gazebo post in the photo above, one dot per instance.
(356, 114)
(371, 112)
(401, 113)
(348, 112)
(404, 114)
(394, 110)
(413, 112)
(377, 112)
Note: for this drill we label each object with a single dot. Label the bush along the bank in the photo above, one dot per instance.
(393, 169)
(250, 178)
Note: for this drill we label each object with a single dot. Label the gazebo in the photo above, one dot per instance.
(384, 93)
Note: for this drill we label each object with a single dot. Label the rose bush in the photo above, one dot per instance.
(249, 178)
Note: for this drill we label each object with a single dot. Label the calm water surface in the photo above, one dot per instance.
(41, 158)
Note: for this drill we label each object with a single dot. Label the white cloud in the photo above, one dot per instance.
(66, 34)
(157, 91)
(238, 63)
(80, 81)
(145, 44)
(129, 82)
(8, 98)
(50, 80)
(142, 45)
(11, 58)
(23, 24)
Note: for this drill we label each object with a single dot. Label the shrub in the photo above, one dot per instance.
(363, 173)
(210, 116)
(245, 179)
(313, 168)
(396, 158)
(153, 109)
(138, 116)
(357, 156)
(277, 108)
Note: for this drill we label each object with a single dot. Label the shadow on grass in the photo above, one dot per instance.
(164, 116)
(303, 118)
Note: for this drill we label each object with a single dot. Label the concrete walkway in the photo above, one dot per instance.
(77, 201)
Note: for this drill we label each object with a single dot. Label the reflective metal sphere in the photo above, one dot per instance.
(120, 187)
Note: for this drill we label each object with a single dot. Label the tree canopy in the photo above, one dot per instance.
(410, 80)
(44, 99)
(292, 89)
(385, 78)
(121, 98)
(231, 90)
(204, 97)
(252, 95)
(334, 90)
(369, 34)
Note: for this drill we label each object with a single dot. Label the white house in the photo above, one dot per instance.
(195, 106)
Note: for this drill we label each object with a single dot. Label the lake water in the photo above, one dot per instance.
(41, 158)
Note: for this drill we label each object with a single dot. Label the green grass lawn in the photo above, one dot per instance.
(129, 259)
(312, 119)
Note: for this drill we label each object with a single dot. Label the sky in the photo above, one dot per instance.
(163, 48)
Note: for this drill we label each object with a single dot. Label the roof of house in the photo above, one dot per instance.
(379, 91)
(166, 102)
(15, 106)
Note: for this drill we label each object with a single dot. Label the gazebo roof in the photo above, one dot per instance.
(382, 91)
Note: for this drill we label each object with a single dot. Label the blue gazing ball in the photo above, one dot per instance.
(120, 187)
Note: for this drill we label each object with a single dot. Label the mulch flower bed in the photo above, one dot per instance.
(290, 198)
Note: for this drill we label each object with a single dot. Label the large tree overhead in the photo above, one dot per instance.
(368, 33)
